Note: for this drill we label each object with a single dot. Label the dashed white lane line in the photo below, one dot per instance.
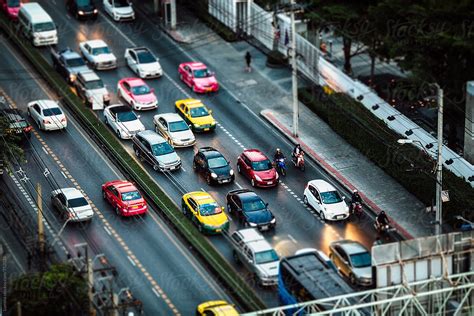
(183, 169)
(156, 292)
(131, 261)
(64, 175)
(292, 239)
(45, 151)
(237, 184)
(107, 230)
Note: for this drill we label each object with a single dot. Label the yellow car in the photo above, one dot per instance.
(216, 308)
(204, 211)
(196, 114)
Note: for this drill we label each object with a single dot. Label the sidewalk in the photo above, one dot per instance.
(267, 91)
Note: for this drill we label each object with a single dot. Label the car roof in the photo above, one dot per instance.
(89, 75)
(69, 54)
(196, 65)
(254, 239)
(201, 197)
(192, 103)
(96, 43)
(151, 136)
(255, 155)
(118, 108)
(322, 185)
(248, 195)
(123, 186)
(140, 49)
(133, 82)
(71, 193)
(36, 11)
(47, 104)
(171, 117)
(210, 152)
(350, 246)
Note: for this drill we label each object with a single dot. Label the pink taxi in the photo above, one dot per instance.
(137, 93)
(198, 77)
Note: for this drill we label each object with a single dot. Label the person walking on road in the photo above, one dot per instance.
(248, 60)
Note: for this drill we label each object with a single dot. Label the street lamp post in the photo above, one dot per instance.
(294, 72)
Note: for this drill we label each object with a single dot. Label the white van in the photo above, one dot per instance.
(37, 25)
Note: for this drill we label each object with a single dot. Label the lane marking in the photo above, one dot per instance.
(64, 175)
(106, 229)
(156, 293)
(44, 149)
(131, 261)
(292, 239)
(237, 184)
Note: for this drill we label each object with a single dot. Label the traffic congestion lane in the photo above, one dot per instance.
(162, 266)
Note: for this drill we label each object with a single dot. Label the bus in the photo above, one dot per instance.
(308, 276)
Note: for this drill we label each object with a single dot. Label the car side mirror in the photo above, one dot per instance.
(222, 208)
(210, 111)
(266, 204)
(152, 90)
(343, 197)
(165, 128)
(138, 116)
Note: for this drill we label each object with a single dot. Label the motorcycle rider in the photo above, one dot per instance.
(355, 198)
(297, 151)
(381, 220)
(278, 155)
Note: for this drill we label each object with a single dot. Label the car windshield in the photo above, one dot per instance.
(100, 50)
(43, 27)
(331, 197)
(75, 62)
(92, 85)
(77, 202)
(261, 165)
(254, 205)
(199, 112)
(126, 116)
(162, 149)
(146, 58)
(121, 3)
(266, 256)
(217, 162)
(141, 90)
(130, 196)
(209, 209)
(83, 3)
(52, 111)
(178, 126)
(13, 3)
(202, 73)
(361, 260)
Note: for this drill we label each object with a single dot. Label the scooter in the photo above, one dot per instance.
(280, 166)
(298, 161)
(356, 209)
(382, 229)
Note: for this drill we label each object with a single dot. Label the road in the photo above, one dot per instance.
(238, 128)
(149, 258)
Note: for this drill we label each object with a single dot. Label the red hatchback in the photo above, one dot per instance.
(253, 164)
(198, 77)
(124, 197)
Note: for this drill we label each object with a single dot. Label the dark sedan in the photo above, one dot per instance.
(250, 209)
(212, 164)
(17, 124)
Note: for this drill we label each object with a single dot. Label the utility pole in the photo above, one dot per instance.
(40, 223)
(439, 164)
(294, 71)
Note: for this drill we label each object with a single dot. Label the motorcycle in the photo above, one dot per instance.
(382, 229)
(280, 166)
(298, 161)
(356, 209)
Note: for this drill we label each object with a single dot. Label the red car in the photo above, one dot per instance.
(124, 197)
(11, 8)
(253, 164)
(198, 77)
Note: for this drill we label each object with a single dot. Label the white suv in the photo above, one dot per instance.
(252, 250)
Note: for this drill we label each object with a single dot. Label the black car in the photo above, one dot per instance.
(213, 165)
(82, 9)
(17, 123)
(251, 209)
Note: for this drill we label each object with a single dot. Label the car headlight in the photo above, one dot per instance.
(273, 221)
(213, 123)
(80, 12)
(231, 172)
(96, 11)
(91, 99)
(252, 224)
(276, 176)
(197, 125)
(72, 77)
(213, 175)
(106, 97)
(258, 178)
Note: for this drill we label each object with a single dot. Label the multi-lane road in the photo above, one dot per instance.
(145, 251)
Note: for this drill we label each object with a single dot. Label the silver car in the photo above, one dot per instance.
(174, 129)
(154, 149)
(352, 260)
(72, 205)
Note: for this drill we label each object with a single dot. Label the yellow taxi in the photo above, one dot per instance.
(196, 114)
(204, 212)
(216, 308)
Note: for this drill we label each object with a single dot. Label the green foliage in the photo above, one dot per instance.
(9, 143)
(410, 166)
(59, 291)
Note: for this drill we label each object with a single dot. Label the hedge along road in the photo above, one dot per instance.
(150, 260)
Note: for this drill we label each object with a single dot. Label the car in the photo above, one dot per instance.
(98, 54)
(82, 9)
(198, 77)
(203, 210)
(216, 308)
(325, 200)
(17, 124)
(124, 198)
(213, 165)
(47, 114)
(11, 8)
(196, 114)
(154, 149)
(319, 254)
(68, 63)
(92, 90)
(119, 10)
(71, 204)
(142, 62)
(250, 208)
(253, 164)
(123, 121)
(137, 93)
(252, 250)
(352, 260)
(174, 129)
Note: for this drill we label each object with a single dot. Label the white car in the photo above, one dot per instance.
(98, 54)
(72, 205)
(325, 200)
(119, 10)
(123, 121)
(47, 114)
(142, 62)
(92, 90)
(174, 129)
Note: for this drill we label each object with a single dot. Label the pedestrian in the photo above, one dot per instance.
(248, 60)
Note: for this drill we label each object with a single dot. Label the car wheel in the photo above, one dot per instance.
(117, 211)
(104, 195)
(208, 179)
(29, 112)
(200, 228)
(229, 209)
(106, 121)
(194, 165)
(118, 134)
(236, 257)
(156, 168)
(184, 209)
(323, 217)
(252, 182)
(181, 77)
(39, 125)
(194, 88)
(238, 169)
(305, 200)
(139, 156)
(352, 279)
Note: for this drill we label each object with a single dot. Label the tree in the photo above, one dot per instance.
(59, 291)
(9, 148)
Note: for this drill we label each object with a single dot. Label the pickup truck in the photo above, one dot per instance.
(68, 63)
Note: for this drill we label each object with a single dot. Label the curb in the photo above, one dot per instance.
(333, 173)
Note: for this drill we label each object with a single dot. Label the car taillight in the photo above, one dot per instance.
(306, 186)
(46, 122)
(63, 120)
(27, 129)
